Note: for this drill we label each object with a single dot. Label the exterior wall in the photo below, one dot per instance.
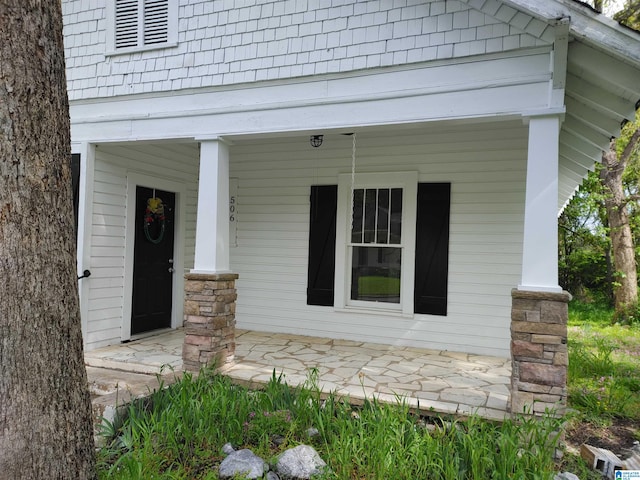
(485, 164)
(227, 42)
(271, 68)
(177, 162)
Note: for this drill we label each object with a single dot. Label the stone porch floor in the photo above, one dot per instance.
(438, 381)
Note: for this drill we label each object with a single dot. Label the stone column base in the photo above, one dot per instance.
(209, 320)
(539, 354)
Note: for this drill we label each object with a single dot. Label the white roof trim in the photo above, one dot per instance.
(592, 28)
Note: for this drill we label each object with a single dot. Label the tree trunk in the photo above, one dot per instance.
(626, 280)
(45, 411)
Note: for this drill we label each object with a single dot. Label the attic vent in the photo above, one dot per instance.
(156, 21)
(143, 23)
(126, 23)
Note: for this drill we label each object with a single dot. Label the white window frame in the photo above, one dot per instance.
(408, 181)
(172, 29)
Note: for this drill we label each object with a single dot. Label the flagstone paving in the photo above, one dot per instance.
(438, 381)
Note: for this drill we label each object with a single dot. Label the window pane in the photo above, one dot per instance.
(375, 274)
(377, 216)
(370, 202)
(396, 215)
(358, 204)
(383, 216)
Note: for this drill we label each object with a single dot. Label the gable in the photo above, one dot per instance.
(598, 81)
(227, 44)
(519, 22)
(224, 43)
(601, 83)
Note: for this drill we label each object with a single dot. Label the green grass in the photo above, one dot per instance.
(179, 431)
(372, 285)
(604, 364)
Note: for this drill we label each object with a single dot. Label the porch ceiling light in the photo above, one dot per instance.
(316, 140)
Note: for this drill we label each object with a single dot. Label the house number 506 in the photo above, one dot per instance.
(232, 208)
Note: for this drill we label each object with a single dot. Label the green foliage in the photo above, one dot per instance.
(589, 315)
(604, 364)
(583, 242)
(630, 14)
(583, 235)
(179, 431)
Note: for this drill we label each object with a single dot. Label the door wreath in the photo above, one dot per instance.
(154, 220)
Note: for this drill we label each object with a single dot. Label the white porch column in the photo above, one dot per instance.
(212, 226)
(540, 243)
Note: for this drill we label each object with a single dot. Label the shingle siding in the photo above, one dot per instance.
(228, 42)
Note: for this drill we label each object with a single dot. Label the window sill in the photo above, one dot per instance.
(386, 312)
(147, 48)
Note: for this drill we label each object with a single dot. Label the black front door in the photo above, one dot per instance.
(152, 260)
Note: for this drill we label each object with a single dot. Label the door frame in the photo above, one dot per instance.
(177, 303)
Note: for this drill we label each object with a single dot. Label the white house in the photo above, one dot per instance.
(381, 170)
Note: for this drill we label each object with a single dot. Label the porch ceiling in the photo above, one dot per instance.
(600, 94)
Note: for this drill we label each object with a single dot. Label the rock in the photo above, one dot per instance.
(228, 449)
(312, 432)
(566, 476)
(300, 463)
(272, 476)
(242, 462)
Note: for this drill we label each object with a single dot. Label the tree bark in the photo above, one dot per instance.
(626, 280)
(45, 411)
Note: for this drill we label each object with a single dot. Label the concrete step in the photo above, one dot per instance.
(112, 390)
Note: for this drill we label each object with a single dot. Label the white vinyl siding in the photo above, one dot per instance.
(177, 162)
(485, 164)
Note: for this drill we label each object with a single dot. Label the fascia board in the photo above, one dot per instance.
(588, 26)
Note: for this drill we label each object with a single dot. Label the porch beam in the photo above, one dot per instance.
(591, 117)
(572, 171)
(577, 157)
(540, 254)
(560, 50)
(584, 132)
(599, 98)
(572, 140)
(597, 65)
(212, 224)
(574, 166)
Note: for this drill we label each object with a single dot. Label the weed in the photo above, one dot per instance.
(604, 364)
(178, 433)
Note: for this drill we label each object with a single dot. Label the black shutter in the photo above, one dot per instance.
(322, 244)
(432, 248)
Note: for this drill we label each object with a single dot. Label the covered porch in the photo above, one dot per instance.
(431, 380)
